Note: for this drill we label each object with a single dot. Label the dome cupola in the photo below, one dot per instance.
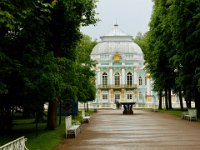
(117, 41)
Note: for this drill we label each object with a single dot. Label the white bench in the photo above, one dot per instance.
(155, 107)
(71, 130)
(191, 114)
(18, 144)
(86, 119)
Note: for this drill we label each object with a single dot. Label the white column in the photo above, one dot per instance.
(111, 75)
(98, 76)
(123, 75)
(148, 86)
(135, 77)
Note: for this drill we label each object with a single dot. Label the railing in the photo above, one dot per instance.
(18, 144)
(126, 86)
(102, 86)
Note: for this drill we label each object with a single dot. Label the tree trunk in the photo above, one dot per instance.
(170, 98)
(52, 115)
(160, 100)
(166, 100)
(188, 102)
(52, 110)
(180, 98)
(197, 102)
(6, 120)
(87, 107)
(84, 107)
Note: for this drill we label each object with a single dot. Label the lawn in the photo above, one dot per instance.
(37, 140)
(176, 111)
(40, 139)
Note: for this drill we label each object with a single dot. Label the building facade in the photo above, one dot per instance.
(120, 73)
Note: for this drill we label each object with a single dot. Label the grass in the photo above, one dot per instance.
(47, 140)
(176, 111)
(42, 139)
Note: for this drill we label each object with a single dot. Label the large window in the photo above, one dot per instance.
(140, 80)
(117, 78)
(105, 78)
(129, 96)
(117, 97)
(129, 78)
(105, 96)
(140, 95)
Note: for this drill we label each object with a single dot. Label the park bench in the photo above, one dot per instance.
(72, 130)
(155, 107)
(18, 144)
(190, 115)
(86, 119)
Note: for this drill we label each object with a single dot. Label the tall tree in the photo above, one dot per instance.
(67, 18)
(86, 76)
(185, 28)
(37, 38)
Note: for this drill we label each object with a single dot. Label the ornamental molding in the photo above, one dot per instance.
(117, 57)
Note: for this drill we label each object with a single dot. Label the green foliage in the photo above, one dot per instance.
(86, 82)
(37, 56)
(45, 139)
(173, 44)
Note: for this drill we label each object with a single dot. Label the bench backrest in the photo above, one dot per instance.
(192, 112)
(68, 122)
(18, 144)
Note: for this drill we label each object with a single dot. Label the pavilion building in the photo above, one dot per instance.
(120, 72)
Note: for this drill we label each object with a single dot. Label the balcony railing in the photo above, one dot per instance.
(101, 86)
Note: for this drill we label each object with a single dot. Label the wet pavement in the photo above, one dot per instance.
(110, 130)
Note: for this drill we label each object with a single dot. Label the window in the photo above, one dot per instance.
(104, 96)
(140, 80)
(117, 97)
(117, 79)
(129, 96)
(140, 95)
(129, 78)
(105, 78)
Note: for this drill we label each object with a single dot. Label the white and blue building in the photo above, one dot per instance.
(120, 72)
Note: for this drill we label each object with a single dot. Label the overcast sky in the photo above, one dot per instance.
(132, 16)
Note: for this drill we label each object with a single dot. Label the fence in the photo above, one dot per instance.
(18, 144)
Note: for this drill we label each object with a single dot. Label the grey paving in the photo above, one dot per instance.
(110, 130)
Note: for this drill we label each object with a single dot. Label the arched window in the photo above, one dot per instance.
(140, 80)
(117, 78)
(129, 96)
(140, 95)
(105, 78)
(129, 78)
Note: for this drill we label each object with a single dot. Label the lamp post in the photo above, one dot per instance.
(176, 70)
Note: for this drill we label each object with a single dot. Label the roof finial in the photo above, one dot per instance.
(116, 23)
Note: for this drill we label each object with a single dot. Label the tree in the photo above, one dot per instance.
(37, 41)
(173, 37)
(86, 76)
(185, 27)
(66, 19)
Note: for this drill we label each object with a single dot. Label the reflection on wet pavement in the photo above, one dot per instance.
(110, 130)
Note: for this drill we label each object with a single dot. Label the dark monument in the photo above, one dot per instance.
(128, 108)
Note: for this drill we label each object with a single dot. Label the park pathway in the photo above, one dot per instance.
(110, 130)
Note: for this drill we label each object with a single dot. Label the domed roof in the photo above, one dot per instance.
(117, 41)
